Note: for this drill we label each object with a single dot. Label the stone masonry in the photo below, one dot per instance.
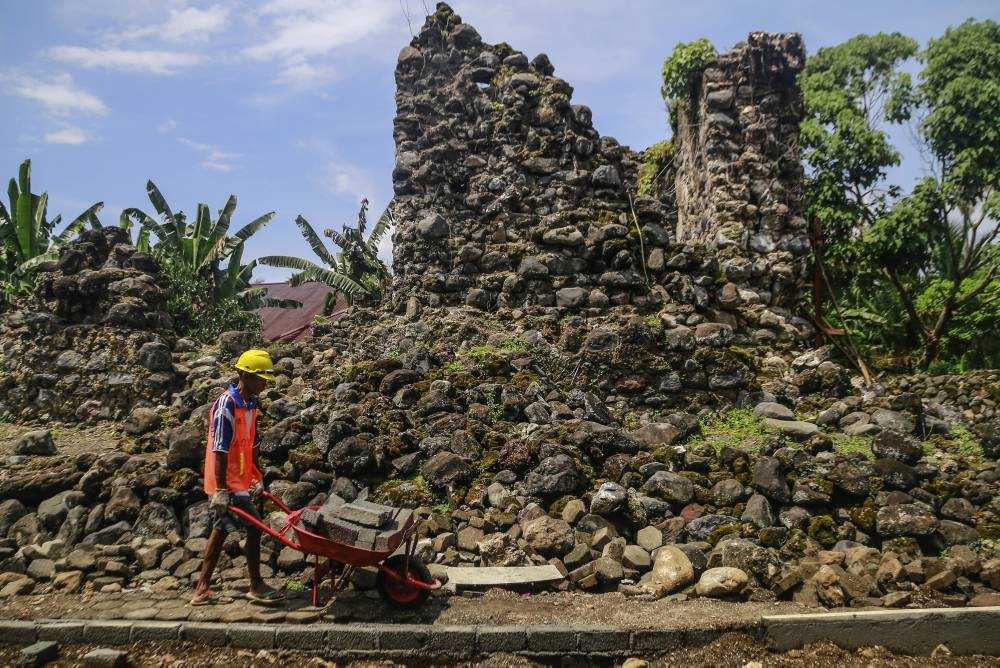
(508, 196)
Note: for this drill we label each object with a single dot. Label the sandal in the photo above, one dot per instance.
(271, 597)
(208, 598)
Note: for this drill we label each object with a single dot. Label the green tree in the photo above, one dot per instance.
(354, 271)
(27, 235)
(680, 69)
(199, 248)
(931, 255)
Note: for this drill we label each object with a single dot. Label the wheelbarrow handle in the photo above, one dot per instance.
(276, 501)
(261, 526)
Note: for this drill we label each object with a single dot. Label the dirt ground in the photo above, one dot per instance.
(731, 650)
(70, 440)
(496, 607)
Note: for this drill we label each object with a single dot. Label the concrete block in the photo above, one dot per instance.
(657, 640)
(964, 630)
(109, 632)
(300, 637)
(18, 633)
(204, 633)
(403, 636)
(65, 632)
(251, 636)
(603, 640)
(344, 638)
(39, 653)
(506, 639)
(453, 641)
(153, 630)
(105, 658)
(551, 639)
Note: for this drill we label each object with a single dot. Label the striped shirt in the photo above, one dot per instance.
(222, 413)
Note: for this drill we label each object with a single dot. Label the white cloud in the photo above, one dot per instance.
(347, 179)
(181, 24)
(302, 34)
(57, 94)
(215, 158)
(150, 62)
(68, 134)
(167, 126)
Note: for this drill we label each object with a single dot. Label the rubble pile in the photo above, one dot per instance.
(568, 372)
(95, 342)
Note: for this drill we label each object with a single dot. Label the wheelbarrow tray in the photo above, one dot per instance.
(348, 553)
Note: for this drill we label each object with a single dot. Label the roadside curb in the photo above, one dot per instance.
(380, 640)
(964, 630)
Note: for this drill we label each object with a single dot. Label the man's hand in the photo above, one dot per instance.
(220, 502)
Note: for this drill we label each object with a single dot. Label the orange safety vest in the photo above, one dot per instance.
(241, 472)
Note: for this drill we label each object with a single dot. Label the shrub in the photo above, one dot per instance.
(196, 313)
(681, 68)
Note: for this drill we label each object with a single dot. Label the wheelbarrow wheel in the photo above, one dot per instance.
(401, 594)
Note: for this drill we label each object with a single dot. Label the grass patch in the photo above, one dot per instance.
(736, 428)
(846, 445)
(964, 443)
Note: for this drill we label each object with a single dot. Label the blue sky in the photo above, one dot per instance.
(289, 103)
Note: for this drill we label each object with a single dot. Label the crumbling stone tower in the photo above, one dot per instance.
(506, 195)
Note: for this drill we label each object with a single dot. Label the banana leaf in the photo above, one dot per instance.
(246, 232)
(314, 241)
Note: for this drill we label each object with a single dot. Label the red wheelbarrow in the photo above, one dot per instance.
(403, 579)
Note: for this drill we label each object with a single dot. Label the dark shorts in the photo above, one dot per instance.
(229, 521)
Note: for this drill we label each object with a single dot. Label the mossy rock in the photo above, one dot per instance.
(794, 546)
(772, 536)
(823, 530)
(307, 457)
(723, 530)
(697, 478)
(904, 546)
(864, 515)
(988, 525)
(405, 493)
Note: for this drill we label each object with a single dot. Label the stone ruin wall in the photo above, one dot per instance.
(507, 196)
(739, 172)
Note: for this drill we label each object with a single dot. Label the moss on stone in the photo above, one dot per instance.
(823, 530)
(723, 530)
(864, 515)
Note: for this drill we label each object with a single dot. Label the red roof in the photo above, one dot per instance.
(295, 323)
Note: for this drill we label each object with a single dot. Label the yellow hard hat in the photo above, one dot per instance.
(257, 362)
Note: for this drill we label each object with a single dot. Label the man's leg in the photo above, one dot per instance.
(252, 552)
(211, 559)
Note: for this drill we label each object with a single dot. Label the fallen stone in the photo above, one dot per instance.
(721, 581)
(105, 658)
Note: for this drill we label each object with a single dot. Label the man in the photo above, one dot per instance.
(232, 477)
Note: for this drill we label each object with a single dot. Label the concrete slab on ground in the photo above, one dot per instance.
(965, 631)
(496, 576)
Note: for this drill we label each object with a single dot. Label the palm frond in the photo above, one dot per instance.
(247, 231)
(314, 241)
(287, 262)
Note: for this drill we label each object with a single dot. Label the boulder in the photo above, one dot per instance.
(548, 536)
(186, 447)
(38, 442)
(721, 582)
(893, 445)
(446, 469)
(768, 478)
(905, 519)
(608, 499)
(669, 486)
(672, 570)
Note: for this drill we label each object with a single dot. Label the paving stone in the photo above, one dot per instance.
(175, 613)
(39, 653)
(305, 615)
(251, 636)
(141, 613)
(105, 658)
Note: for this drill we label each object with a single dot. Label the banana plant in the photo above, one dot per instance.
(27, 236)
(199, 247)
(354, 271)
